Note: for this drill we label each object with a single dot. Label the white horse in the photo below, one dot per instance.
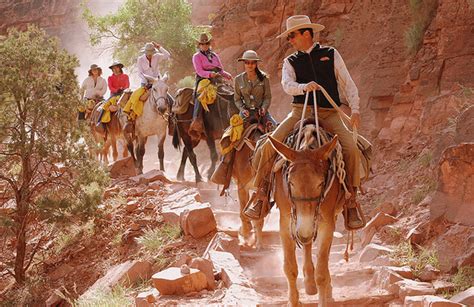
(153, 121)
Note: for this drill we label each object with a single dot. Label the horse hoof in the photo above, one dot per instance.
(310, 288)
(180, 178)
(198, 179)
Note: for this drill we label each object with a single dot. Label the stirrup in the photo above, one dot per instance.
(358, 221)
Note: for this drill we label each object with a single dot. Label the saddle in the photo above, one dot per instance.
(182, 101)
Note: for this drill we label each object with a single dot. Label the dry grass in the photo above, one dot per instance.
(417, 259)
(154, 239)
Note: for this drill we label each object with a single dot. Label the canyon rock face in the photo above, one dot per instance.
(395, 86)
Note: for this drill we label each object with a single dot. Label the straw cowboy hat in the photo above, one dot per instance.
(249, 55)
(116, 63)
(94, 66)
(297, 22)
(204, 39)
(149, 49)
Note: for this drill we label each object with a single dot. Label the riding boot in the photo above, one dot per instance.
(353, 216)
(258, 205)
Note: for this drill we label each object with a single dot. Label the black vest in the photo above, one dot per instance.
(316, 66)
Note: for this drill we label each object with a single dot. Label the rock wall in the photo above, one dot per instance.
(49, 14)
(394, 85)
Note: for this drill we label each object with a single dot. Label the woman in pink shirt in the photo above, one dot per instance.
(207, 66)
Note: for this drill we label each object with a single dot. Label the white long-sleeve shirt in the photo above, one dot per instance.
(93, 89)
(345, 84)
(150, 68)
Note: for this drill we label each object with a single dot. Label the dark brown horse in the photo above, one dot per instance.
(215, 121)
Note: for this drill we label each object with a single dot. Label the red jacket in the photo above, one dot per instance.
(118, 82)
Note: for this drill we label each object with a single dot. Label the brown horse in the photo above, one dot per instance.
(243, 174)
(305, 212)
(106, 138)
(215, 121)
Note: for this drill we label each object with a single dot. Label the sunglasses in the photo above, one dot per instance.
(204, 44)
(291, 35)
(250, 62)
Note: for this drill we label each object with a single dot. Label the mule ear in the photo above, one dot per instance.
(285, 151)
(325, 151)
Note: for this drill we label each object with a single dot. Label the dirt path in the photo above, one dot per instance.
(352, 281)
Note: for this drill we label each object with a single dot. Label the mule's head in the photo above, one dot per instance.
(306, 182)
(159, 93)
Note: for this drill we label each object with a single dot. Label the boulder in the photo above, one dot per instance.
(131, 206)
(198, 221)
(455, 196)
(178, 201)
(428, 301)
(409, 287)
(172, 282)
(151, 176)
(205, 266)
(223, 242)
(442, 286)
(147, 298)
(229, 267)
(181, 259)
(428, 273)
(125, 274)
(385, 279)
(372, 251)
(378, 221)
(122, 168)
(465, 297)
(54, 300)
(386, 207)
(238, 295)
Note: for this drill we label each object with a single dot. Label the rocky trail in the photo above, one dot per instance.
(370, 278)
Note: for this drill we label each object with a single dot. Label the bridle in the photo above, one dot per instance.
(156, 99)
(317, 200)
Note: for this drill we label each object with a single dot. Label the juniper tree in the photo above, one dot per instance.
(45, 168)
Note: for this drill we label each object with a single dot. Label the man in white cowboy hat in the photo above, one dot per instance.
(310, 65)
(148, 62)
(148, 66)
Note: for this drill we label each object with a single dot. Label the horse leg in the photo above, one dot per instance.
(323, 279)
(188, 146)
(258, 227)
(212, 148)
(114, 147)
(140, 154)
(124, 148)
(246, 227)
(161, 152)
(290, 265)
(308, 270)
(105, 151)
(192, 157)
(184, 157)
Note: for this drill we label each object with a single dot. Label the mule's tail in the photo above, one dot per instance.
(176, 138)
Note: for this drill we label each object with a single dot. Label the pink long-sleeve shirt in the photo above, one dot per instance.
(203, 67)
